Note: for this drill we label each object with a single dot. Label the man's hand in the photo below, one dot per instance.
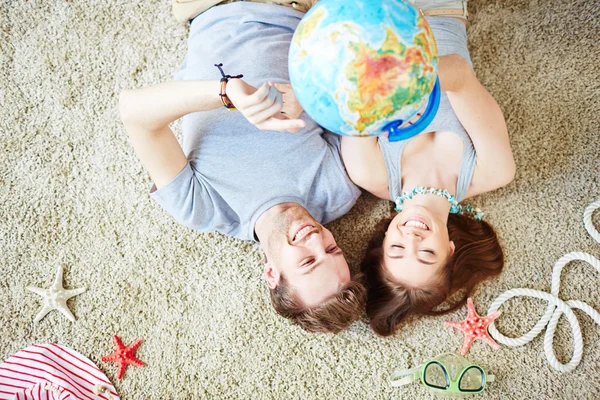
(263, 107)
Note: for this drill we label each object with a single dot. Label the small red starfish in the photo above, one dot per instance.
(124, 355)
(475, 327)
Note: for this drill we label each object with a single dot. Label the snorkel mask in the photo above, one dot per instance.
(449, 373)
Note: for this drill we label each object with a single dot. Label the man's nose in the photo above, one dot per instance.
(315, 242)
(313, 238)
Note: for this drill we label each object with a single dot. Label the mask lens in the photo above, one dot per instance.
(435, 376)
(471, 380)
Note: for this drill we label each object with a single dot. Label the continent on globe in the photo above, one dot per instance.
(386, 79)
(355, 69)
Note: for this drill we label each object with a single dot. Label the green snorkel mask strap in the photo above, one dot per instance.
(404, 377)
(449, 373)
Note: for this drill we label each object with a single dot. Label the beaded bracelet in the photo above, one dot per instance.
(225, 78)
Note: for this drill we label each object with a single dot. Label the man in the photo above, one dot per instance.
(235, 174)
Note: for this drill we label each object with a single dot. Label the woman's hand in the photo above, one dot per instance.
(291, 108)
(263, 107)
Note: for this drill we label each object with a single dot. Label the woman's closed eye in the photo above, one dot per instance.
(396, 250)
(428, 252)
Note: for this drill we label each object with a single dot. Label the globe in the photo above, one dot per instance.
(363, 67)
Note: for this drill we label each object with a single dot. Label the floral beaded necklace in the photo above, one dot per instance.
(455, 208)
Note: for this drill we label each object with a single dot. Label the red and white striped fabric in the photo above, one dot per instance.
(53, 372)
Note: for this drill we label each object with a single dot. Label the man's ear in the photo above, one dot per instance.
(452, 248)
(271, 275)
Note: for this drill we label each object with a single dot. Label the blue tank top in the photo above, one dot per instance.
(451, 38)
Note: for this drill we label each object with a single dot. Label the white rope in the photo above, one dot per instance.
(556, 306)
(587, 220)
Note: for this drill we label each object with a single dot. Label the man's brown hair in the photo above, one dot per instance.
(478, 256)
(334, 314)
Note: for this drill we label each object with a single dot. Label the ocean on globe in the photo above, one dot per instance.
(357, 66)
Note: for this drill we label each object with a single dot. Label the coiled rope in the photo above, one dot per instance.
(556, 306)
(587, 220)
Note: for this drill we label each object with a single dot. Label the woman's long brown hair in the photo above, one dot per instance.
(478, 256)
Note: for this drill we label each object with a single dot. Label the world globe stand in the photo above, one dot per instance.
(395, 133)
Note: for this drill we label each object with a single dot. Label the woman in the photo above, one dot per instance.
(433, 247)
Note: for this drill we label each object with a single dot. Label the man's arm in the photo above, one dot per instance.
(147, 113)
(482, 118)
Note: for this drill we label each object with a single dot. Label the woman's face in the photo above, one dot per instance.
(416, 246)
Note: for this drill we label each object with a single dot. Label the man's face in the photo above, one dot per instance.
(305, 252)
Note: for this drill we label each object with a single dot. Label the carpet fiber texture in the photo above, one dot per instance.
(73, 193)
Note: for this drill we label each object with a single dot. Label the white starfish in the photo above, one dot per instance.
(55, 297)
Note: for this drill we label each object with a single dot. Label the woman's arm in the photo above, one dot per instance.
(483, 120)
(365, 164)
(147, 113)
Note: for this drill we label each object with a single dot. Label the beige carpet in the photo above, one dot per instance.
(72, 193)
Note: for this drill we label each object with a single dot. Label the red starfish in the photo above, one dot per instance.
(475, 327)
(124, 355)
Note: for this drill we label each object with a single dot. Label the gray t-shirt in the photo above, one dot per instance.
(451, 38)
(236, 171)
